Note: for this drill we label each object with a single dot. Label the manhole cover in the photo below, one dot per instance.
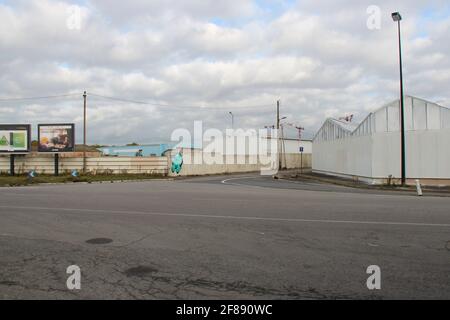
(139, 271)
(99, 241)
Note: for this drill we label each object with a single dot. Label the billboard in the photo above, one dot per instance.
(15, 138)
(56, 137)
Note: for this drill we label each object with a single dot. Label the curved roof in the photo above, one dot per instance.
(420, 114)
(349, 126)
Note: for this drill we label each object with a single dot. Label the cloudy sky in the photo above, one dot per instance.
(200, 59)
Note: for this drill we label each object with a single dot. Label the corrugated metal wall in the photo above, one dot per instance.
(373, 148)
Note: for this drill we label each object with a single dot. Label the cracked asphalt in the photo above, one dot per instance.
(247, 237)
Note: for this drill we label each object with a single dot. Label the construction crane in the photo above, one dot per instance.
(348, 118)
(300, 129)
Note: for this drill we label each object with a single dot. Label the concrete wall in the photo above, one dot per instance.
(194, 163)
(45, 164)
(293, 161)
(293, 146)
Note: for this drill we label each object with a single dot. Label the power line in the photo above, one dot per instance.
(131, 101)
(174, 106)
(40, 98)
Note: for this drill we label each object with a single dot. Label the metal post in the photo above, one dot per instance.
(84, 132)
(232, 119)
(300, 146)
(278, 114)
(278, 132)
(56, 164)
(283, 149)
(11, 164)
(397, 17)
(301, 163)
(402, 109)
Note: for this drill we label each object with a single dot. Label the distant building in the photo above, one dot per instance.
(371, 150)
(148, 150)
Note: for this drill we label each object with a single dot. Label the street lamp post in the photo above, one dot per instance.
(232, 119)
(397, 18)
(282, 146)
(84, 133)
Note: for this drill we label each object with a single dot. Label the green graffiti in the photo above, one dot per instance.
(177, 163)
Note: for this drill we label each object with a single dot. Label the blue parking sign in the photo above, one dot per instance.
(301, 149)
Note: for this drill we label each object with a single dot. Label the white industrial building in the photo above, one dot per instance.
(371, 150)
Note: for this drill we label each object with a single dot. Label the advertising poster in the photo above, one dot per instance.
(56, 137)
(15, 138)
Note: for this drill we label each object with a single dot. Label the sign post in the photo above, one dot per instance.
(11, 164)
(56, 164)
(301, 160)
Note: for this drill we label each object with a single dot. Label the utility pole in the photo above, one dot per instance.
(84, 133)
(300, 129)
(278, 132)
(278, 114)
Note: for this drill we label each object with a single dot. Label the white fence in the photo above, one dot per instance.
(194, 165)
(44, 164)
(97, 165)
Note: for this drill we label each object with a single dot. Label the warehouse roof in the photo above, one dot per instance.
(420, 114)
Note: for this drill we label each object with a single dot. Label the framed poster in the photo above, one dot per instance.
(56, 137)
(15, 138)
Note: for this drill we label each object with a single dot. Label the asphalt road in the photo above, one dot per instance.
(239, 237)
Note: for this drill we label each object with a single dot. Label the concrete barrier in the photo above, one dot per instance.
(194, 163)
(44, 164)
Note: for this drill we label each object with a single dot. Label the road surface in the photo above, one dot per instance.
(233, 237)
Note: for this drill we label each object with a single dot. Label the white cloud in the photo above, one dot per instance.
(317, 56)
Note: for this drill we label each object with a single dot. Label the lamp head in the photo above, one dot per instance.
(396, 16)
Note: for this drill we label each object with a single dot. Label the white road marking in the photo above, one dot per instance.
(339, 188)
(309, 183)
(240, 178)
(280, 179)
(243, 185)
(248, 218)
(222, 199)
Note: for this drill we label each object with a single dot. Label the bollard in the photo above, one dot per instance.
(419, 188)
